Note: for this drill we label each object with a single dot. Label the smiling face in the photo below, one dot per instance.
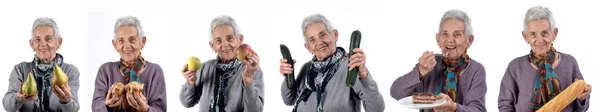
(128, 43)
(320, 42)
(539, 36)
(225, 42)
(452, 38)
(44, 44)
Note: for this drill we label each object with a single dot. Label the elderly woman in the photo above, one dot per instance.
(129, 41)
(321, 84)
(532, 80)
(453, 76)
(45, 41)
(225, 84)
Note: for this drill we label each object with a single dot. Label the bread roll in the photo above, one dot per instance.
(118, 88)
(134, 87)
(564, 98)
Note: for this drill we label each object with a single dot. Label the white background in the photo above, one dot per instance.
(395, 33)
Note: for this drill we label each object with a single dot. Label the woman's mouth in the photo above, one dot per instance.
(450, 47)
(227, 51)
(127, 51)
(42, 50)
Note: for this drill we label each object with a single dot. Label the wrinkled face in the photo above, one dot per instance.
(225, 42)
(452, 39)
(128, 43)
(44, 44)
(539, 36)
(320, 42)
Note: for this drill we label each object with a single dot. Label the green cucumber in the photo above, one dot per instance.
(354, 43)
(289, 78)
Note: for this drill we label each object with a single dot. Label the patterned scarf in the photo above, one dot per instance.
(129, 71)
(452, 69)
(224, 72)
(322, 71)
(546, 86)
(43, 72)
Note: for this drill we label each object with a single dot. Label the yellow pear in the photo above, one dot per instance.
(29, 87)
(193, 63)
(59, 78)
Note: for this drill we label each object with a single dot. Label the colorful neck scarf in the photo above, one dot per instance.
(452, 69)
(546, 86)
(224, 72)
(130, 72)
(43, 72)
(321, 71)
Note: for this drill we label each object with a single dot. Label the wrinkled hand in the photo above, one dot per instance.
(189, 75)
(448, 106)
(586, 93)
(25, 98)
(285, 68)
(251, 66)
(359, 59)
(138, 101)
(113, 100)
(63, 93)
(426, 63)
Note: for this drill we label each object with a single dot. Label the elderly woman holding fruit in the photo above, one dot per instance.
(321, 84)
(46, 83)
(532, 80)
(131, 84)
(453, 76)
(233, 82)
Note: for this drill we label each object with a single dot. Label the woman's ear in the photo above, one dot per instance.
(555, 33)
(211, 44)
(241, 38)
(471, 39)
(31, 44)
(307, 48)
(60, 40)
(115, 45)
(335, 33)
(143, 41)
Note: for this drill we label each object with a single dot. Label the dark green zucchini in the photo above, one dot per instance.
(289, 78)
(354, 43)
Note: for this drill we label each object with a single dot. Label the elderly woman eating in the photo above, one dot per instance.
(225, 84)
(321, 83)
(452, 75)
(532, 80)
(145, 90)
(50, 96)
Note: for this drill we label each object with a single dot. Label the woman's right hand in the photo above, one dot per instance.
(25, 98)
(189, 75)
(285, 68)
(426, 63)
(113, 100)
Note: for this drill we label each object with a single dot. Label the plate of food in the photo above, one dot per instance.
(421, 101)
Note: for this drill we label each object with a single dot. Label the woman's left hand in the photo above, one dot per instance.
(138, 101)
(449, 106)
(358, 59)
(63, 93)
(586, 93)
(251, 66)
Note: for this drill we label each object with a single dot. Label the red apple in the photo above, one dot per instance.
(243, 51)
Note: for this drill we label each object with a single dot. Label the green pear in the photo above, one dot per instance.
(59, 78)
(29, 87)
(193, 63)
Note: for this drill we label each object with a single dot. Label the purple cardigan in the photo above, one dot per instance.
(518, 81)
(152, 78)
(471, 85)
